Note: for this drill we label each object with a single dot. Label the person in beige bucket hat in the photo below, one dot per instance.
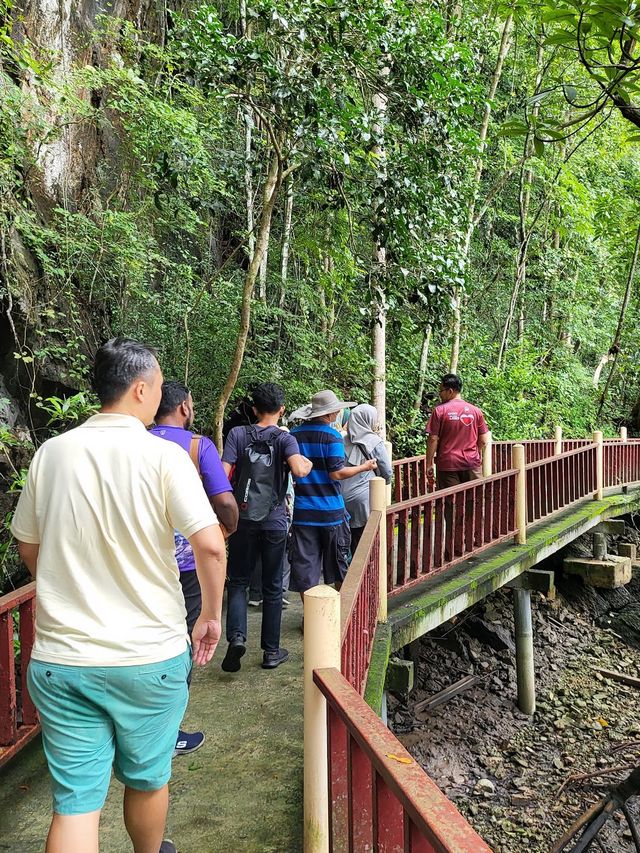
(322, 403)
(320, 533)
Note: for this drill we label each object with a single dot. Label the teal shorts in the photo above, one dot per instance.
(96, 718)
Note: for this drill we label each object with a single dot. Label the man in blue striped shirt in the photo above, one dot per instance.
(320, 534)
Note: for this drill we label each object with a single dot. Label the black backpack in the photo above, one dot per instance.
(259, 480)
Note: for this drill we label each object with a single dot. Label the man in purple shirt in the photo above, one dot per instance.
(174, 422)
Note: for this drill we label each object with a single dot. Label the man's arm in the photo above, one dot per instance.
(300, 466)
(346, 473)
(29, 556)
(226, 508)
(211, 567)
(432, 446)
(483, 441)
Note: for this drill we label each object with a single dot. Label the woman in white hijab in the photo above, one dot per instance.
(362, 442)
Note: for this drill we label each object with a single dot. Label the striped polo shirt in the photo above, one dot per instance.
(318, 500)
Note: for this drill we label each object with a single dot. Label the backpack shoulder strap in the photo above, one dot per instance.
(194, 451)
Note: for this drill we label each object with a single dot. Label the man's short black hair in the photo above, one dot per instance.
(118, 364)
(173, 394)
(267, 397)
(452, 382)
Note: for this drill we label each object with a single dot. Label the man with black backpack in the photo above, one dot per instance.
(259, 457)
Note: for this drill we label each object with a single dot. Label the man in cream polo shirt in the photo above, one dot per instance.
(95, 527)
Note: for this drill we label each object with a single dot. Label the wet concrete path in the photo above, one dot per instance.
(241, 792)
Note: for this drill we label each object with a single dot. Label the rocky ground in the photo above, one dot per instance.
(510, 774)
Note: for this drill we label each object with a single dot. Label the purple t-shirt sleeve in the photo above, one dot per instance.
(214, 480)
(289, 445)
(230, 449)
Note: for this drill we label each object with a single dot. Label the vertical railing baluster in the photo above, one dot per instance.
(8, 709)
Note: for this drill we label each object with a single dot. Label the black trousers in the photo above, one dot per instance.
(244, 548)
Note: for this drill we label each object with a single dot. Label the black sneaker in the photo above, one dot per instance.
(168, 847)
(236, 650)
(187, 743)
(270, 660)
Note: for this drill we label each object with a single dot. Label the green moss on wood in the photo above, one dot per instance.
(378, 667)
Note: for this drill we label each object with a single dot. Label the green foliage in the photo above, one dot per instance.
(375, 108)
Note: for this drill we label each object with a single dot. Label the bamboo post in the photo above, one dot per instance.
(321, 647)
(623, 433)
(518, 461)
(558, 440)
(597, 440)
(389, 448)
(487, 456)
(378, 500)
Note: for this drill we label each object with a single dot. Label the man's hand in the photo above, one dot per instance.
(204, 637)
(431, 471)
(370, 465)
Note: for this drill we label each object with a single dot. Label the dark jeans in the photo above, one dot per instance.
(192, 601)
(356, 536)
(192, 597)
(244, 548)
(255, 588)
(446, 480)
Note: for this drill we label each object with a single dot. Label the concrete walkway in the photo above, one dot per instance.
(241, 792)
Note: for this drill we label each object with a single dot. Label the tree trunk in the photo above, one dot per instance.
(247, 115)
(524, 233)
(269, 196)
(286, 239)
(614, 350)
(422, 371)
(379, 268)
(505, 44)
(606, 358)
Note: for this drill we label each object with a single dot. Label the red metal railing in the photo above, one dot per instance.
(621, 463)
(560, 481)
(18, 718)
(577, 443)
(359, 603)
(430, 533)
(380, 799)
(534, 450)
(410, 478)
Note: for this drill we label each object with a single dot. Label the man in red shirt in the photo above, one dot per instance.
(457, 433)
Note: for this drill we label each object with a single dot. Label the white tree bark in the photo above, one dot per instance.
(505, 45)
(422, 369)
(286, 238)
(379, 334)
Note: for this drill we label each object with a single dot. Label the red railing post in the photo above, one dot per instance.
(8, 706)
